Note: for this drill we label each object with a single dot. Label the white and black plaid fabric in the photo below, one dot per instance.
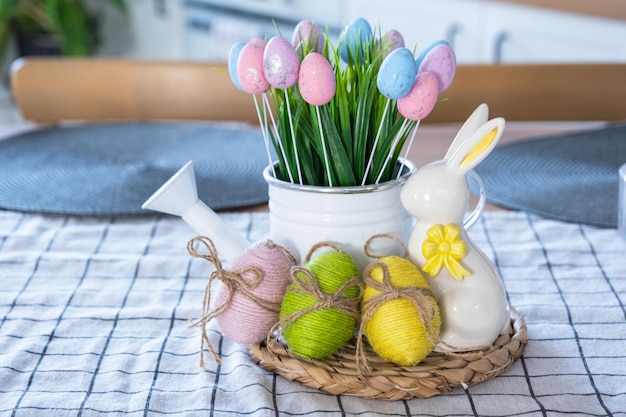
(94, 322)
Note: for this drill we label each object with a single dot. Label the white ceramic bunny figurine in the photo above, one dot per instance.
(468, 288)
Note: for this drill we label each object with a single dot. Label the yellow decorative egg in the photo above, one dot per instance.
(396, 300)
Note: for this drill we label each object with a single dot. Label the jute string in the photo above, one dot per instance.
(367, 248)
(320, 245)
(310, 286)
(418, 296)
(233, 282)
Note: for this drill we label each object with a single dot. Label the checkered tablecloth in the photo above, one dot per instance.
(94, 322)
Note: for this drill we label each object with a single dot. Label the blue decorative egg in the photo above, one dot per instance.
(354, 38)
(397, 74)
(233, 57)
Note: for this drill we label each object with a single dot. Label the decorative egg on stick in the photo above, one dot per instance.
(308, 37)
(397, 73)
(439, 58)
(421, 100)
(252, 80)
(236, 71)
(317, 86)
(233, 57)
(439, 61)
(354, 39)
(390, 41)
(417, 105)
(395, 80)
(280, 63)
(281, 66)
(250, 67)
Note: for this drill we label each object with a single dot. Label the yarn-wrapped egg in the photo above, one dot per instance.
(320, 309)
(254, 308)
(248, 294)
(400, 315)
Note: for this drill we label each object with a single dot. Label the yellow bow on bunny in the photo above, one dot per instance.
(444, 248)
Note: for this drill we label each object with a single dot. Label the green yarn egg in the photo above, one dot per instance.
(321, 332)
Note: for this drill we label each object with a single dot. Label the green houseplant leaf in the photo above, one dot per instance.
(69, 20)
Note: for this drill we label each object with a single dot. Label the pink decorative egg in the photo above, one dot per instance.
(421, 99)
(250, 67)
(390, 41)
(438, 58)
(307, 33)
(317, 80)
(258, 41)
(280, 63)
(245, 321)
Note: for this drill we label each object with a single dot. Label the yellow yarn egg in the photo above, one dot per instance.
(392, 323)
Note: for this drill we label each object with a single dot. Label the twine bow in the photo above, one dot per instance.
(310, 286)
(388, 292)
(234, 281)
(367, 248)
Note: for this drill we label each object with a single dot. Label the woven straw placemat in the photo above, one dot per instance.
(438, 373)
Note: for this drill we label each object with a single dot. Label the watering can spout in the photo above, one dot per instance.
(179, 197)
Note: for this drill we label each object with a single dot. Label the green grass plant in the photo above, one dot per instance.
(349, 122)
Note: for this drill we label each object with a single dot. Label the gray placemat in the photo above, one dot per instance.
(111, 169)
(570, 177)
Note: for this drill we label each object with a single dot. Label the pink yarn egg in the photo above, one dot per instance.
(250, 67)
(280, 63)
(307, 33)
(421, 99)
(317, 80)
(244, 321)
(439, 59)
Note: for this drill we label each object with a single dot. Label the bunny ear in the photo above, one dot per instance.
(478, 117)
(476, 148)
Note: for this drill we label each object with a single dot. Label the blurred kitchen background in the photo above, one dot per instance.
(481, 31)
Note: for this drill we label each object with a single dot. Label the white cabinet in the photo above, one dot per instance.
(481, 31)
(204, 30)
(485, 31)
(526, 34)
(154, 29)
(213, 26)
(422, 22)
